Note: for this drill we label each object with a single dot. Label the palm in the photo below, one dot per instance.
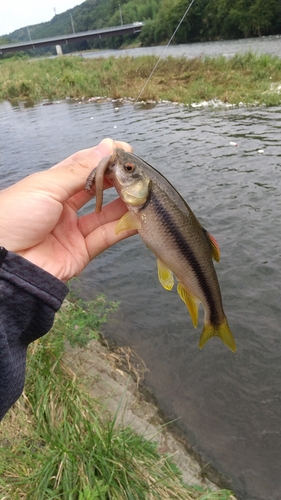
(40, 220)
(64, 247)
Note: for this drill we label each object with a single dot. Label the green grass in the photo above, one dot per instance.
(247, 78)
(58, 443)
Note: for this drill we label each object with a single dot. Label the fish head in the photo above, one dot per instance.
(124, 171)
(129, 178)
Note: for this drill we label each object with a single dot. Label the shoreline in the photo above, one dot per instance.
(248, 79)
(109, 377)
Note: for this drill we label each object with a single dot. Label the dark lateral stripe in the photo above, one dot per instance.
(187, 252)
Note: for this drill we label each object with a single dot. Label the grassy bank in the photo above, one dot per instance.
(58, 443)
(250, 79)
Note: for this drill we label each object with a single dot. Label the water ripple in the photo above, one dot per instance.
(228, 406)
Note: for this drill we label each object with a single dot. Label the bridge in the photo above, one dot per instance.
(123, 29)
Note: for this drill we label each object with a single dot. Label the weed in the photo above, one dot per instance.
(245, 77)
(81, 320)
(58, 443)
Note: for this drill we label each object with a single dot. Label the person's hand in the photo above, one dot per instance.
(39, 218)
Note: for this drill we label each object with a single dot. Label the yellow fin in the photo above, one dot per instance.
(222, 331)
(214, 246)
(128, 221)
(191, 302)
(165, 276)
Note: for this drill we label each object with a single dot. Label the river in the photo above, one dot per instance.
(228, 406)
(228, 48)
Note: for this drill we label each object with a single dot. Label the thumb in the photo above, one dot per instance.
(71, 174)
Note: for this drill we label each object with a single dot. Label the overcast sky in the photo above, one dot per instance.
(16, 14)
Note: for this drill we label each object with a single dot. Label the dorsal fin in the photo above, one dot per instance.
(214, 246)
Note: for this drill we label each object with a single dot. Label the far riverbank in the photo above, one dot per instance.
(245, 79)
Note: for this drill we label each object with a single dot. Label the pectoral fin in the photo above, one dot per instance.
(165, 276)
(214, 246)
(191, 302)
(128, 221)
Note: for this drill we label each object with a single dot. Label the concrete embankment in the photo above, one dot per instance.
(98, 368)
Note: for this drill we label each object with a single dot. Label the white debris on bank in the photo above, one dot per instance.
(149, 103)
(275, 87)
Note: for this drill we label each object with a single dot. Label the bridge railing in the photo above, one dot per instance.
(123, 29)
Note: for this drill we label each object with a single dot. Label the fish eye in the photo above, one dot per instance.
(129, 167)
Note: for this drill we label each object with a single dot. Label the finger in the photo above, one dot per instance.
(104, 148)
(71, 174)
(104, 237)
(80, 199)
(68, 177)
(110, 212)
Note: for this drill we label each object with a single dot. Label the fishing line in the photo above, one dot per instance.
(161, 56)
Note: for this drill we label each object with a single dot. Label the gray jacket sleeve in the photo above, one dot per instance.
(29, 299)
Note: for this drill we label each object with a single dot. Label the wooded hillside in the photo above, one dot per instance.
(206, 20)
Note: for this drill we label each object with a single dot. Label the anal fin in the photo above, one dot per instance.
(191, 302)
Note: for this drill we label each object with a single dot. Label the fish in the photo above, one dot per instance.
(183, 248)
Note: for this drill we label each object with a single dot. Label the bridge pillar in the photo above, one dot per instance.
(59, 50)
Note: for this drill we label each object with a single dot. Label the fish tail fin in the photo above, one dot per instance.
(222, 331)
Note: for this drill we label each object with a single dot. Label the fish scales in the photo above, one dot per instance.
(170, 229)
(180, 252)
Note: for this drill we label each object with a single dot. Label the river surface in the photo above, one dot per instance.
(228, 48)
(227, 405)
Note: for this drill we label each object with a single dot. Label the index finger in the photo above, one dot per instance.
(104, 148)
(74, 170)
(68, 177)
